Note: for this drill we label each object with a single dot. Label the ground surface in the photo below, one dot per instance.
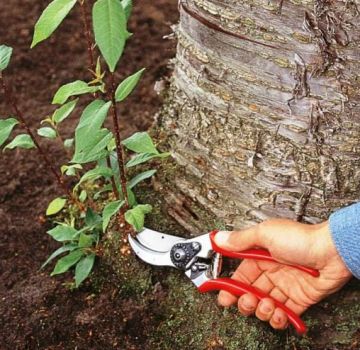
(37, 311)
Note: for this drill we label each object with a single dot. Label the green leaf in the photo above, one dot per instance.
(90, 140)
(140, 142)
(127, 86)
(64, 111)
(6, 127)
(140, 177)
(5, 56)
(109, 211)
(136, 216)
(94, 174)
(47, 132)
(86, 241)
(92, 219)
(83, 196)
(21, 141)
(77, 87)
(109, 23)
(57, 252)
(68, 143)
(83, 268)
(70, 170)
(67, 261)
(127, 6)
(144, 157)
(132, 198)
(50, 19)
(106, 188)
(62, 233)
(55, 206)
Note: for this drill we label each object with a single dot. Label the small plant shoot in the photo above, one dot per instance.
(98, 158)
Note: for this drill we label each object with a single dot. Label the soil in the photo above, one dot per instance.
(36, 310)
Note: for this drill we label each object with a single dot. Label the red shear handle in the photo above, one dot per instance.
(238, 288)
(258, 254)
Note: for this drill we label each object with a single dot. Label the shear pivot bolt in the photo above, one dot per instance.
(179, 254)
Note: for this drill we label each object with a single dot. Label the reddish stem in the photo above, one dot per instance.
(92, 67)
(119, 148)
(60, 180)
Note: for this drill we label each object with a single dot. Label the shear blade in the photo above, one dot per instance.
(150, 256)
(157, 241)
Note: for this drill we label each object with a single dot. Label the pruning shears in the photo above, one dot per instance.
(201, 260)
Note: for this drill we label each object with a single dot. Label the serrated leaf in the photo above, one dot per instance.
(94, 174)
(144, 157)
(50, 19)
(140, 177)
(57, 252)
(64, 111)
(136, 216)
(47, 132)
(109, 21)
(21, 141)
(55, 206)
(62, 233)
(127, 86)
(67, 261)
(5, 56)
(127, 6)
(83, 268)
(140, 142)
(75, 88)
(6, 127)
(109, 211)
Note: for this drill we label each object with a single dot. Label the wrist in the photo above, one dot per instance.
(325, 248)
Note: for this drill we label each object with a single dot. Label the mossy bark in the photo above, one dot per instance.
(263, 120)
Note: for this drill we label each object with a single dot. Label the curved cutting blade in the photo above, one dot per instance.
(150, 256)
(157, 241)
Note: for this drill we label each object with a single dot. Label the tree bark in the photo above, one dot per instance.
(263, 111)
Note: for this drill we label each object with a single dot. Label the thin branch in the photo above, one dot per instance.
(92, 68)
(10, 99)
(119, 148)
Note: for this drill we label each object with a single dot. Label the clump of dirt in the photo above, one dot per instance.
(37, 311)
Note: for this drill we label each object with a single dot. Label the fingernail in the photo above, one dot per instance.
(221, 238)
(246, 303)
(277, 319)
(266, 309)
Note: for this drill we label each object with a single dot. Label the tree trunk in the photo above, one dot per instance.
(264, 113)
(263, 119)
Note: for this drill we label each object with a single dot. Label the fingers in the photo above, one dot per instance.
(265, 310)
(279, 319)
(247, 304)
(238, 240)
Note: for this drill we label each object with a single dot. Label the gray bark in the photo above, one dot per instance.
(264, 110)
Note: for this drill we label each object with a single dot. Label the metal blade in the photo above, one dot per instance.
(150, 256)
(158, 241)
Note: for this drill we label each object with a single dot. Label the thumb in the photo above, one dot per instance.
(239, 240)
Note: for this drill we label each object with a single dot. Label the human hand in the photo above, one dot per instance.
(291, 243)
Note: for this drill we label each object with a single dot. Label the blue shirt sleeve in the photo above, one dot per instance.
(345, 231)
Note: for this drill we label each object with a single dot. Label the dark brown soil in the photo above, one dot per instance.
(37, 311)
